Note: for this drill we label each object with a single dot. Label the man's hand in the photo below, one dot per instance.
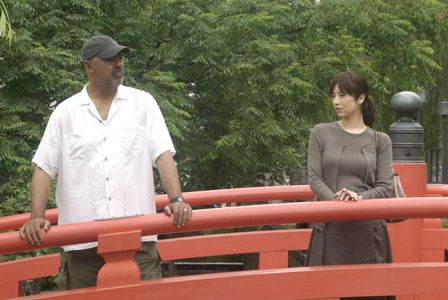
(181, 212)
(31, 230)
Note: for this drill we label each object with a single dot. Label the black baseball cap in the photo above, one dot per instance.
(102, 46)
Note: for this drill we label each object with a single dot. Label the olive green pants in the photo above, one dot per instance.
(80, 268)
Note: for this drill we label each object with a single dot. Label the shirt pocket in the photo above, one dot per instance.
(77, 148)
(131, 140)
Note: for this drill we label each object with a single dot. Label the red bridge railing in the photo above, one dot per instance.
(419, 270)
(126, 233)
(241, 195)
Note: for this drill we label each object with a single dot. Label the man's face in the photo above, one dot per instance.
(106, 71)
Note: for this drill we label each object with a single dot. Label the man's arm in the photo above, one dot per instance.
(40, 186)
(171, 184)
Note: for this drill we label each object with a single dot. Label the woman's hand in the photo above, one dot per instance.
(348, 195)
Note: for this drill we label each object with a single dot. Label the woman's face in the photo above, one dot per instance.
(345, 105)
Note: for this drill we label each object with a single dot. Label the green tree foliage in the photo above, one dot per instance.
(377, 38)
(247, 93)
(239, 82)
(6, 31)
(40, 69)
(431, 23)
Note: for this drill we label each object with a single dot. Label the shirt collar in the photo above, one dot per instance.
(85, 99)
(121, 93)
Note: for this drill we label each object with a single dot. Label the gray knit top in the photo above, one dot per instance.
(338, 159)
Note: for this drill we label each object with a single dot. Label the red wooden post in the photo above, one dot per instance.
(407, 235)
(432, 249)
(118, 250)
(412, 241)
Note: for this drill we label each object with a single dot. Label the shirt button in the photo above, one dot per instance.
(104, 138)
(107, 178)
(110, 198)
(105, 159)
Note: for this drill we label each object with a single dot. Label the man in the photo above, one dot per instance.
(101, 144)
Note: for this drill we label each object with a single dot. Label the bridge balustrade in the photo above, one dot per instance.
(123, 235)
(418, 271)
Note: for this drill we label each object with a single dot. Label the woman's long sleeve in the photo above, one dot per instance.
(315, 173)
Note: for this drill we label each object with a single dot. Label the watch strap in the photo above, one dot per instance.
(177, 199)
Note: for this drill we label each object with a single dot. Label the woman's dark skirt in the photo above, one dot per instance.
(350, 242)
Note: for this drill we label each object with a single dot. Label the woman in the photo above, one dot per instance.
(349, 161)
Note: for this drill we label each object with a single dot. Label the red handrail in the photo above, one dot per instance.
(423, 207)
(290, 192)
(238, 195)
(437, 189)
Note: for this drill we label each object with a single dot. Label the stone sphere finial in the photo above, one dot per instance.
(406, 134)
(406, 104)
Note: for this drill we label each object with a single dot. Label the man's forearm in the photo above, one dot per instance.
(40, 186)
(169, 175)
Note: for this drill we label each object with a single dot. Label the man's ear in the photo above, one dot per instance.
(87, 65)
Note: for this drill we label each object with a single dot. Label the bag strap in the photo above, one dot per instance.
(398, 186)
(376, 144)
(398, 189)
(377, 150)
(398, 193)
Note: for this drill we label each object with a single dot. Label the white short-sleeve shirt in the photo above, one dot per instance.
(104, 169)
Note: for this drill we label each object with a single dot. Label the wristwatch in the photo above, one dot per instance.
(177, 199)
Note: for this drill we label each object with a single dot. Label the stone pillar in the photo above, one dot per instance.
(409, 162)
